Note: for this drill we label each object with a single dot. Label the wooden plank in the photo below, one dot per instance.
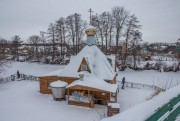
(76, 103)
(112, 111)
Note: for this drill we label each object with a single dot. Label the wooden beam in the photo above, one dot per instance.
(68, 93)
(88, 93)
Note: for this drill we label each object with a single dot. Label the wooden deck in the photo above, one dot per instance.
(77, 103)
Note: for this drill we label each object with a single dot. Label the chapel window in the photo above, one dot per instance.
(84, 67)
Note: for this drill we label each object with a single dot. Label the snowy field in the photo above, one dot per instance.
(35, 69)
(21, 100)
(164, 80)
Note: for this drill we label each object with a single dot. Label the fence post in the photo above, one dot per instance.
(1, 80)
(12, 77)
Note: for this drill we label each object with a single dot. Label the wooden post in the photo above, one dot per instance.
(88, 93)
(116, 96)
(68, 93)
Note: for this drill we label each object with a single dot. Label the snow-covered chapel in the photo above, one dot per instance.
(91, 76)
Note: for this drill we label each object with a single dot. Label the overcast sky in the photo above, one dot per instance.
(160, 18)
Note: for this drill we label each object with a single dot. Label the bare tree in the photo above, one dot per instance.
(3, 62)
(51, 35)
(111, 28)
(80, 26)
(35, 40)
(132, 24)
(71, 29)
(61, 33)
(15, 44)
(136, 37)
(120, 16)
(3, 53)
(43, 40)
(104, 25)
(75, 27)
(98, 23)
(3, 47)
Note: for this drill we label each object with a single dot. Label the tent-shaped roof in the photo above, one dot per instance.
(96, 60)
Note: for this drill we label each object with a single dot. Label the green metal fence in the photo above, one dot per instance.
(173, 115)
(160, 112)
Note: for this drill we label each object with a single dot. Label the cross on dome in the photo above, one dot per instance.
(90, 15)
(90, 30)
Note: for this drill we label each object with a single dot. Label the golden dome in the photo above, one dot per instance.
(90, 31)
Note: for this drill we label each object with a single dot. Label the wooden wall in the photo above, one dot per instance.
(45, 81)
(98, 94)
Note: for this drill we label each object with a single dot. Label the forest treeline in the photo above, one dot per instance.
(114, 27)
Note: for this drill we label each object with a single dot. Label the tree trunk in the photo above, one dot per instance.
(177, 67)
(117, 41)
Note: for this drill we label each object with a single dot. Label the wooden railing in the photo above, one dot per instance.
(5, 80)
(140, 86)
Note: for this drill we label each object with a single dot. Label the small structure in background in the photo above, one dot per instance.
(113, 109)
(58, 90)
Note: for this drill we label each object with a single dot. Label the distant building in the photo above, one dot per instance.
(178, 51)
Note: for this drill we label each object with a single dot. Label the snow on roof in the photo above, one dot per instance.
(58, 83)
(100, 68)
(96, 83)
(112, 57)
(54, 73)
(97, 61)
(91, 27)
(114, 105)
(142, 111)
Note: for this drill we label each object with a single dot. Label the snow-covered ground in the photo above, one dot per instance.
(164, 80)
(130, 97)
(142, 111)
(35, 69)
(21, 100)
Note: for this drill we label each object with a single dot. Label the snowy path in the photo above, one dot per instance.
(130, 97)
(21, 101)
